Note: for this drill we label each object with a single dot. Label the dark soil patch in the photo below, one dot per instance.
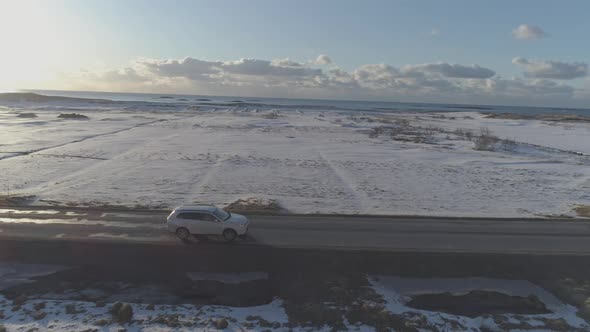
(27, 115)
(255, 205)
(75, 116)
(477, 303)
(543, 117)
(251, 293)
(583, 211)
(6, 200)
(101, 287)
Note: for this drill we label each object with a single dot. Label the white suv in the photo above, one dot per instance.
(185, 221)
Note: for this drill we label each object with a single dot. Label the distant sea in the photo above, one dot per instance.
(136, 100)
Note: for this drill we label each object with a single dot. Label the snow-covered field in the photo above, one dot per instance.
(311, 161)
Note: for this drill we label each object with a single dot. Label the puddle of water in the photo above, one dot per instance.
(59, 236)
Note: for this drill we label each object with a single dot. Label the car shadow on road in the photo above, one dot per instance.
(218, 240)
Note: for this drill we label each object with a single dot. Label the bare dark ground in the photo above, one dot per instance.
(477, 303)
(305, 279)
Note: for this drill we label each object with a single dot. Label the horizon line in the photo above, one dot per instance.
(290, 98)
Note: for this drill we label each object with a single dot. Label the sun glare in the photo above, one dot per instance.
(32, 45)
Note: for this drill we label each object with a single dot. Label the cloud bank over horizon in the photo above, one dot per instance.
(552, 69)
(542, 81)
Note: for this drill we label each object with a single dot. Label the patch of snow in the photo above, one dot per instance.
(13, 211)
(108, 235)
(89, 316)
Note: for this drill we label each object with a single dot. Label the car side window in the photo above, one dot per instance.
(196, 216)
(208, 217)
(190, 216)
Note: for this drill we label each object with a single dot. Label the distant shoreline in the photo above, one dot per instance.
(185, 102)
(39, 98)
(542, 117)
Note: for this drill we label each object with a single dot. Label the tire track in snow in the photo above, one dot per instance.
(358, 198)
(197, 187)
(62, 183)
(113, 165)
(26, 153)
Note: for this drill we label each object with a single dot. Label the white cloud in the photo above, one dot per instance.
(337, 77)
(437, 78)
(285, 63)
(379, 75)
(524, 88)
(323, 59)
(451, 70)
(525, 31)
(257, 67)
(430, 82)
(188, 67)
(434, 32)
(551, 69)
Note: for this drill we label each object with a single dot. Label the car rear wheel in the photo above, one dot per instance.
(229, 235)
(183, 233)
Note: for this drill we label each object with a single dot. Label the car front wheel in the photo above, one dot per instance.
(229, 235)
(183, 233)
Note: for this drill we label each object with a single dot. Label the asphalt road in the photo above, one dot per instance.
(355, 233)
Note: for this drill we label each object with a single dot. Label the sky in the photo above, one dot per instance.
(486, 52)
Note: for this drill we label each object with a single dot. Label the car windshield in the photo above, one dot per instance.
(219, 213)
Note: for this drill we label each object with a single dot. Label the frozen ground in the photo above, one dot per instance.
(398, 291)
(88, 317)
(310, 162)
(388, 309)
(58, 312)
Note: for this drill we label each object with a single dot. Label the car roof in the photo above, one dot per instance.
(208, 208)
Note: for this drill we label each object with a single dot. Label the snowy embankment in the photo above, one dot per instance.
(63, 315)
(309, 162)
(390, 306)
(397, 292)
